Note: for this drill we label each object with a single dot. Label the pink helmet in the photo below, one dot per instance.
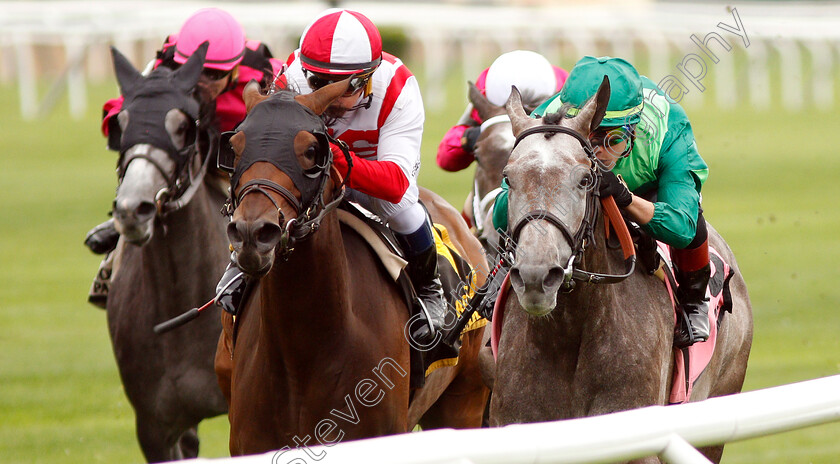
(225, 34)
(340, 42)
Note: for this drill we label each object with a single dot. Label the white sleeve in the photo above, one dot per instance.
(402, 133)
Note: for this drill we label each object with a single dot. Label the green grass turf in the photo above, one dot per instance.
(771, 192)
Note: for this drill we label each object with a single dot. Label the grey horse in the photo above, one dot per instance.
(599, 348)
(171, 252)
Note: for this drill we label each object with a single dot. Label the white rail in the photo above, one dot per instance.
(794, 43)
(671, 432)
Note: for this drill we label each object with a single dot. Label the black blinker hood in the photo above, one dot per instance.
(270, 129)
(148, 108)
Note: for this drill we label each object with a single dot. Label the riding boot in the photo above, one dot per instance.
(231, 288)
(102, 238)
(421, 252)
(692, 273)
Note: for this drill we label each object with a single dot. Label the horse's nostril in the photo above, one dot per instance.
(554, 278)
(234, 234)
(145, 210)
(516, 278)
(268, 235)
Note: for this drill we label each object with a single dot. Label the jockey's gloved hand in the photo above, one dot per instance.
(469, 138)
(612, 185)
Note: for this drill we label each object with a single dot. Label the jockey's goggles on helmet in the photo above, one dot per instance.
(215, 74)
(357, 81)
(610, 137)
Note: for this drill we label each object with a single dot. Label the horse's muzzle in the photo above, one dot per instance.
(536, 287)
(134, 220)
(254, 243)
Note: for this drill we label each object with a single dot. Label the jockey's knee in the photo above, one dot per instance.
(408, 219)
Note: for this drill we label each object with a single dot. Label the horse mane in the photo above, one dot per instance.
(559, 115)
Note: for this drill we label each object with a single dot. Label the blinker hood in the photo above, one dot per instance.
(270, 129)
(147, 120)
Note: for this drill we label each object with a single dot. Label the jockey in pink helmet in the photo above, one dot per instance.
(231, 62)
(530, 72)
(225, 34)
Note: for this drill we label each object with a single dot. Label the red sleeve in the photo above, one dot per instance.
(109, 110)
(451, 156)
(379, 179)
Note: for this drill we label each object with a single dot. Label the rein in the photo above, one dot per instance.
(584, 235)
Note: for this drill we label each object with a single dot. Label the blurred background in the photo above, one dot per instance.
(759, 81)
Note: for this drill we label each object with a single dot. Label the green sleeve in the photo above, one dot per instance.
(500, 209)
(678, 196)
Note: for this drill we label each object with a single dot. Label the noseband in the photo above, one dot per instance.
(306, 223)
(584, 235)
(182, 185)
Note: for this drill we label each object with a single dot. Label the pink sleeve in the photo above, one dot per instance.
(451, 156)
(109, 110)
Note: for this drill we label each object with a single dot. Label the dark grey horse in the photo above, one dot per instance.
(172, 250)
(600, 348)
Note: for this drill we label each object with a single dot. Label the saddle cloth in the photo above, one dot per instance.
(459, 280)
(689, 362)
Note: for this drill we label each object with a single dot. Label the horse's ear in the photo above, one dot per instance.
(127, 75)
(319, 100)
(516, 112)
(485, 109)
(251, 95)
(190, 71)
(594, 110)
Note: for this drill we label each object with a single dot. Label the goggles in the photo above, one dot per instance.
(608, 138)
(357, 81)
(215, 74)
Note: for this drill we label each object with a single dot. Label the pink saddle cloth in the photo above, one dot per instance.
(690, 362)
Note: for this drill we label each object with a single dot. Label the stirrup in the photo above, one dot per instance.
(684, 334)
(229, 294)
(102, 238)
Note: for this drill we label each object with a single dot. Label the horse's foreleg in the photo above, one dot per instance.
(188, 443)
(157, 441)
(224, 357)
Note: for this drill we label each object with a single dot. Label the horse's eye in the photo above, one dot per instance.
(586, 181)
(506, 179)
(311, 152)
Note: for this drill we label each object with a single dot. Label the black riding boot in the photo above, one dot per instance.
(231, 288)
(102, 238)
(691, 294)
(422, 269)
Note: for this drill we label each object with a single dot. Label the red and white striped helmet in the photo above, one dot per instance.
(340, 42)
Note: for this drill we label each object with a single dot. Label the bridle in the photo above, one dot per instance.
(584, 235)
(308, 217)
(481, 204)
(182, 184)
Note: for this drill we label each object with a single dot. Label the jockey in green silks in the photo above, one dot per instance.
(646, 139)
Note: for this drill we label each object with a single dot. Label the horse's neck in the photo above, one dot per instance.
(307, 296)
(578, 310)
(184, 241)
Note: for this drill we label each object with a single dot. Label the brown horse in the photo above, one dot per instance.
(598, 348)
(171, 251)
(318, 353)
